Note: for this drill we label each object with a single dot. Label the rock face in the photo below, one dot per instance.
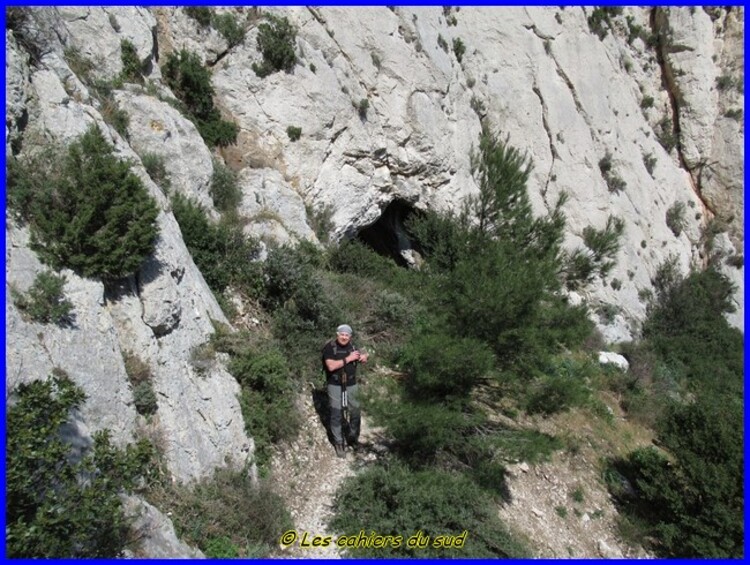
(389, 103)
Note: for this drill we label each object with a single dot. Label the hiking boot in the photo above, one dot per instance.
(339, 447)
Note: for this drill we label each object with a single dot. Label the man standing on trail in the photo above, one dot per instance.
(340, 359)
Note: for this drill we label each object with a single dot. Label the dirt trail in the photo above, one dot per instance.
(307, 474)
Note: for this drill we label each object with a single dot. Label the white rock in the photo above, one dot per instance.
(612, 358)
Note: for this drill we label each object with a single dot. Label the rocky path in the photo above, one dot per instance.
(307, 474)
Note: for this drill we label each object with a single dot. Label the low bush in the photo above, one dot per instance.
(229, 28)
(222, 252)
(225, 190)
(393, 500)
(45, 300)
(140, 377)
(562, 388)
(276, 42)
(201, 14)
(267, 398)
(226, 513)
(191, 83)
(441, 367)
(60, 504)
(87, 211)
(294, 133)
(157, 170)
(132, 68)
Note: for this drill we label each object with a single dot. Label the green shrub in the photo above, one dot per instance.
(228, 511)
(459, 48)
(321, 221)
(140, 377)
(687, 329)
(59, 505)
(564, 387)
(666, 134)
(157, 170)
(131, 64)
(393, 500)
(222, 252)
(614, 181)
(676, 218)
(362, 108)
(267, 398)
(87, 212)
(201, 14)
(600, 20)
(647, 102)
(45, 300)
(221, 547)
(649, 161)
(191, 83)
(225, 190)
(442, 43)
(441, 366)
(392, 311)
(294, 133)
(352, 256)
(276, 42)
(229, 28)
(691, 506)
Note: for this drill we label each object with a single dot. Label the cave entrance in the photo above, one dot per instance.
(389, 237)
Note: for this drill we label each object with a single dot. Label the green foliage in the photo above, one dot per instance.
(693, 507)
(45, 300)
(613, 180)
(362, 108)
(690, 503)
(222, 252)
(228, 512)
(60, 504)
(647, 102)
(600, 20)
(562, 388)
(392, 311)
(687, 329)
(157, 170)
(459, 48)
(321, 221)
(302, 310)
(221, 547)
(394, 500)
(87, 211)
(225, 190)
(649, 161)
(501, 264)
(442, 43)
(201, 14)
(131, 64)
(191, 83)
(229, 28)
(598, 258)
(294, 133)
(267, 398)
(676, 218)
(140, 377)
(440, 366)
(666, 134)
(276, 41)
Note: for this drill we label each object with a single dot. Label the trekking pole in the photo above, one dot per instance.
(344, 407)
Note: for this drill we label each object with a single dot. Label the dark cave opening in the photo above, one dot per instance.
(388, 236)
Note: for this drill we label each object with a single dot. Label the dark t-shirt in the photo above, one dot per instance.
(334, 350)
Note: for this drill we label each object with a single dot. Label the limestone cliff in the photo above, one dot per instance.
(655, 93)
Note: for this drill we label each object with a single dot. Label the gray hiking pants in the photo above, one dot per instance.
(334, 400)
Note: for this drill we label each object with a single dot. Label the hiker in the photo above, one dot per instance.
(340, 359)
